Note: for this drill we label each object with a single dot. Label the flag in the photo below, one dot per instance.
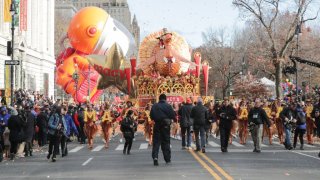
(8, 82)
(23, 15)
(7, 15)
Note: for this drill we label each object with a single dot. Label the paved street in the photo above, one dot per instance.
(240, 163)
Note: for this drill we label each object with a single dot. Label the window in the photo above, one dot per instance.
(105, 4)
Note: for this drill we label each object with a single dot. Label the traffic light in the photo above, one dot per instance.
(9, 48)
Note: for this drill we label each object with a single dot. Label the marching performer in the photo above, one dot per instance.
(276, 110)
(129, 106)
(243, 121)
(90, 126)
(310, 123)
(106, 124)
(148, 124)
(268, 130)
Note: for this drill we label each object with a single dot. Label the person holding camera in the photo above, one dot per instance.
(127, 128)
(162, 113)
(186, 123)
(227, 114)
(256, 119)
(57, 128)
(288, 120)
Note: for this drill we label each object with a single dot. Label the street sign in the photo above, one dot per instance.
(12, 62)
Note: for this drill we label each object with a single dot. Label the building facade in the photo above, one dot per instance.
(33, 46)
(118, 9)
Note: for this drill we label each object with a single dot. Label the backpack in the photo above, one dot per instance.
(301, 118)
(124, 121)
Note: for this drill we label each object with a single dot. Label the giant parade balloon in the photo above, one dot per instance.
(92, 31)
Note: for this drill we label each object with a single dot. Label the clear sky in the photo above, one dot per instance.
(187, 17)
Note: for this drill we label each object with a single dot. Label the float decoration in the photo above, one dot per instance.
(166, 67)
(114, 70)
(168, 53)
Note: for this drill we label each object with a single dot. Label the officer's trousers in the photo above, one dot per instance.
(161, 136)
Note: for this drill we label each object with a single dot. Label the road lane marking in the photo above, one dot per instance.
(262, 145)
(213, 144)
(211, 171)
(276, 143)
(237, 144)
(98, 148)
(306, 155)
(87, 161)
(308, 145)
(262, 151)
(143, 146)
(226, 175)
(120, 147)
(76, 149)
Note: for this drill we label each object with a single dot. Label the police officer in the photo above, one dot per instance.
(162, 114)
(226, 114)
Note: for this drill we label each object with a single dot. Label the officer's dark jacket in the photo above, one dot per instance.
(184, 113)
(199, 113)
(162, 110)
(257, 115)
(226, 115)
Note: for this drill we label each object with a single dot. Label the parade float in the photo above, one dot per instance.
(166, 67)
(102, 55)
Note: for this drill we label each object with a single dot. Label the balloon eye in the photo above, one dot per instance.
(91, 31)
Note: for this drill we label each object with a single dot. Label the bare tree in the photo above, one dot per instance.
(223, 59)
(266, 12)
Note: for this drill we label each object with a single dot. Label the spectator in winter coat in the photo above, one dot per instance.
(4, 116)
(57, 128)
(42, 123)
(15, 125)
(227, 114)
(186, 123)
(29, 130)
(200, 116)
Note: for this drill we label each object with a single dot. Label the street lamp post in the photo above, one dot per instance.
(297, 33)
(13, 12)
(75, 76)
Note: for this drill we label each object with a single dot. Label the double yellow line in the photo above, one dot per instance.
(212, 163)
